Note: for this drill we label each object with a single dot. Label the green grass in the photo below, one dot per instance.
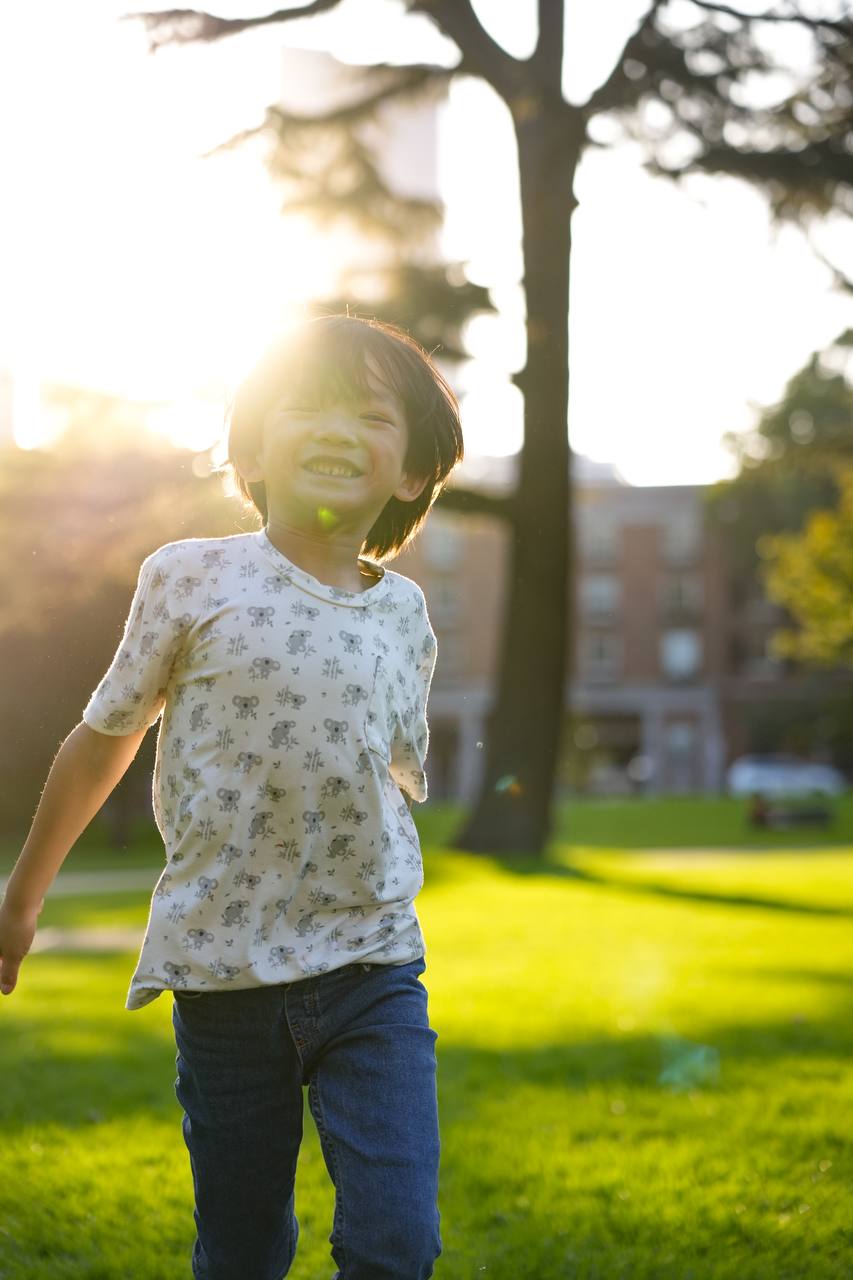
(644, 1071)
(675, 821)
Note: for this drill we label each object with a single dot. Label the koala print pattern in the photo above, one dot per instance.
(293, 719)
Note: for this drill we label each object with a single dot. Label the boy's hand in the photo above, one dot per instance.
(17, 930)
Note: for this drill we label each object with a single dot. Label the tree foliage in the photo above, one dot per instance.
(76, 521)
(788, 465)
(78, 518)
(811, 574)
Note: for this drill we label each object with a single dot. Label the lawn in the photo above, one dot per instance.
(644, 1067)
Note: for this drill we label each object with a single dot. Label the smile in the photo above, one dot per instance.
(324, 469)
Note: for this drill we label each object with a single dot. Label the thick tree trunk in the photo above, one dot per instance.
(522, 739)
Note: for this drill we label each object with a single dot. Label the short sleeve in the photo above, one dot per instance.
(410, 742)
(132, 693)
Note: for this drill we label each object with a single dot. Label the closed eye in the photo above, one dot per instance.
(379, 417)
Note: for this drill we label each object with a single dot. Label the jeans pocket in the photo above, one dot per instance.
(188, 995)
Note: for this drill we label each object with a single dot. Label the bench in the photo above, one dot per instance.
(805, 813)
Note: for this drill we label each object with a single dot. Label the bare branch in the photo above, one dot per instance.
(188, 26)
(472, 502)
(481, 55)
(842, 26)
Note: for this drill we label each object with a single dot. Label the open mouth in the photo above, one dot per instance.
(335, 473)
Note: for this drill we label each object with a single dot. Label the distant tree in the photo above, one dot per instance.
(682, 91)
(79, 517)
(811, 574)
(785, 525)
(76, 521)
(789, 465)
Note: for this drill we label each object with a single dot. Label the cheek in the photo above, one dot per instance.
(279, 450)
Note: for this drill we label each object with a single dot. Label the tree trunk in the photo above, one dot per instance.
(513, 812)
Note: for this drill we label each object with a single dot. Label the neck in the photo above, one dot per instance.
(334, 562)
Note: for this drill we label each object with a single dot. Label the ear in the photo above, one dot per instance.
(410, 488)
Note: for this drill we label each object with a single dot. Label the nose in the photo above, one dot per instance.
(336, 426)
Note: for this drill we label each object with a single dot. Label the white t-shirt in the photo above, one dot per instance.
(293, 715)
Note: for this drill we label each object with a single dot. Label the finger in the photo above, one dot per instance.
(8, 976)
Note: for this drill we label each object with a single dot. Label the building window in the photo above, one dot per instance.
(600, 594)
(601, 656)
(681, 595)
(444, 602)
(681, 541)
(442, 543)
(597, 543)
(680, 653)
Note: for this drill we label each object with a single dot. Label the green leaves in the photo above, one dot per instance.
(811, 574)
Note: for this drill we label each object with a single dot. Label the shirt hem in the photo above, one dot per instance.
(140, 996)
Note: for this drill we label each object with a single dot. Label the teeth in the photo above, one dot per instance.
(324, 470)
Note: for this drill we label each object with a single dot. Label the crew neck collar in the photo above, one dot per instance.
(323, 590)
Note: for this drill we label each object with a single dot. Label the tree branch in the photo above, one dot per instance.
(840, 280)
(841, 26)
(420, 78)
(816, 176)
(481, 55)
(612, 90)
(548, 54)
(472, 502)
(187, 26)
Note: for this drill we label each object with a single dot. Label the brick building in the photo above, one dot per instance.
(667, 652)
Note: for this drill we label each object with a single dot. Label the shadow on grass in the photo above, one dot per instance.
(651, 888)
(127, 1070)
(579, 1219)
(436, 830)
(636, 825)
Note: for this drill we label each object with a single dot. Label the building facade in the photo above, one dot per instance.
(668, 656)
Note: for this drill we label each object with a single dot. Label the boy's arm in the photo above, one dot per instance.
(87, 768)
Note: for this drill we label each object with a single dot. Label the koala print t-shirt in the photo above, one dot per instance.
(293, 718)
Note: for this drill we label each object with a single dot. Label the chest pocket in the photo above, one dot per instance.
(380, 713)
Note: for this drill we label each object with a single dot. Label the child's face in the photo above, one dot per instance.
(371, 436)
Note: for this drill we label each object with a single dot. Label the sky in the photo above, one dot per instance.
(132, 265)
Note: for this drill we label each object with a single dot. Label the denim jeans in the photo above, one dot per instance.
(359, 1038)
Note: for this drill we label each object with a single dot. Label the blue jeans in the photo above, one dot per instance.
(359, 1038)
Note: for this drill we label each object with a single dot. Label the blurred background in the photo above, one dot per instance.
(161, 221)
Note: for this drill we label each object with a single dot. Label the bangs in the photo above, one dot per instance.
(327, 364)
